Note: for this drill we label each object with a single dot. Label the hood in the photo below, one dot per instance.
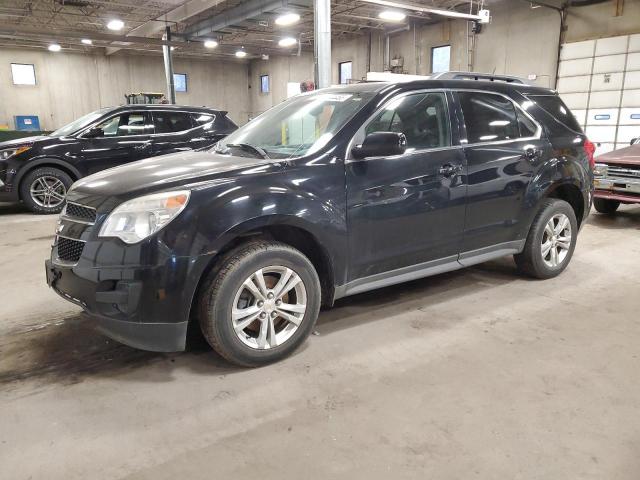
(625, 156)
(176, 170)
(21, 141)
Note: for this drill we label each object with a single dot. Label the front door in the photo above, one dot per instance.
(120, 139)
(408, 209)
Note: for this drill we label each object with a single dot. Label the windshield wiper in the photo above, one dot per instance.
(248, 146)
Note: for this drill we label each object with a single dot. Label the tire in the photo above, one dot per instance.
(225, 302)
(608, 207)
(51, 200)
(533, 261)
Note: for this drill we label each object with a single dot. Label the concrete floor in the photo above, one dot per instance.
(474, 374)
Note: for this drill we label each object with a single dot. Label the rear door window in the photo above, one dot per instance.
(488, 117)
(202, 118)
(172, 122)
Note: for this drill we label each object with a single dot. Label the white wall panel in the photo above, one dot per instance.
(634, 43)
(603, 134)
(581, 116)
(606, 81)
(631, 98)
(574, 84)
(602, 148)
(611, 45)
(607, 99)
(572, 68)
(609, 63)
(632, 80)
(627, 132)
(576, 101)
(602, 116)
(633, 61)
(577, 50)
(630, 116)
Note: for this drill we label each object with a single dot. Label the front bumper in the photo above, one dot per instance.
(138, 307)
(626, 190)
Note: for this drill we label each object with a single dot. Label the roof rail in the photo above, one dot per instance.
(476, 76)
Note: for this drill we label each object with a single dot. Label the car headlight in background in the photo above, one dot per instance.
(141, 217)
(600, 169)
(10, 152)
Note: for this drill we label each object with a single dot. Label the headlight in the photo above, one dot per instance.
(600, 169)
(141, 217)
(10, 152)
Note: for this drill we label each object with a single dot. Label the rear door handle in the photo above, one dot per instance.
(532, 154)
(448, 170)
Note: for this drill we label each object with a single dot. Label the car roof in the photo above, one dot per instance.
(152, 107)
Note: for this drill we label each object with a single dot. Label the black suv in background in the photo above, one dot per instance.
(40, 170)
(329, 194)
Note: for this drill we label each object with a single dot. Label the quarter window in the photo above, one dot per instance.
(488, 117)
(170, 122)
(423, 118)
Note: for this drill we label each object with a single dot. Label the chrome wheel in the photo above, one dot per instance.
(556, 240)
(48, 191)
(269, 307)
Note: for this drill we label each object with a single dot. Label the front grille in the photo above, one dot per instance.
(79, 212)
(631, 171)
(69, 250)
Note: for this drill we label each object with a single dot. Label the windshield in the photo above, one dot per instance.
(298, 127)
(80, 123)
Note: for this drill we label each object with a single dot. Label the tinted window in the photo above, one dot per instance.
(554, 106)
(131, 123)
(423, 119)
(488, 117)
(202, 118)
(526, 126)
(169, 122)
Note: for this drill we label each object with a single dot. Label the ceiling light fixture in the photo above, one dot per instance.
(54, 47)
(392, 15)
(287, 42)
(241, 54)
(87, 41)
(287, 19)
(115, 24)
(210, 44)
(435, 11)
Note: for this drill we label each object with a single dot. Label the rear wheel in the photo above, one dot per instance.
(44, 190)
(261, 304)
(605, 206)
(551, 241)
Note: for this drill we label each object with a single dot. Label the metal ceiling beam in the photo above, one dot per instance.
(238, 14)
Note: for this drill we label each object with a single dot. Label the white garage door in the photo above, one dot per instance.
(599, 80)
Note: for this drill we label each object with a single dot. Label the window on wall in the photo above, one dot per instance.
(345, 72)
(180, 82)
(23, 74)
(441, 59)
(264, 83)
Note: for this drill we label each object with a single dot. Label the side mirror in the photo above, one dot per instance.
(94, 133)
(381, 144)
(635, 141)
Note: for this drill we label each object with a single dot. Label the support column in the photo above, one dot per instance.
(322, 42)
(168, 67)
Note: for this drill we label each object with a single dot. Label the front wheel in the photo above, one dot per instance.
(551, 241)
(261, 304)
(608, 207)
(44, 189)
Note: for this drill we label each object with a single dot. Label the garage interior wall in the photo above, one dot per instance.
(69, 85)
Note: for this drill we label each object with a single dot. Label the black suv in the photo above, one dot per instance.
(39, 170)
(329, 194)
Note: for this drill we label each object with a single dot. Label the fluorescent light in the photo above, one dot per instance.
(287, 42)
(392, 15)
(115, 24)
(54, 47)
(172, 48)
(241, 54)
(435, 11)
(87, 41)
(287, 19)
(210, 44)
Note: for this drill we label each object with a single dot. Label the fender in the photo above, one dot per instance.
(36, 162)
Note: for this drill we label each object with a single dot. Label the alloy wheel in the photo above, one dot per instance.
(269, 307)
(48, 191)
(556, 240)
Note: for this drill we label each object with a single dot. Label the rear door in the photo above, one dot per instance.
(123, 138)
(504, 147)
(407, 210)
(172, 132)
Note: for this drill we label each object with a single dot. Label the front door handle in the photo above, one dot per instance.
(448, 170)
(532, 154)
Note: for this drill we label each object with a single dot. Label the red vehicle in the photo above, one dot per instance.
(617, 178)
